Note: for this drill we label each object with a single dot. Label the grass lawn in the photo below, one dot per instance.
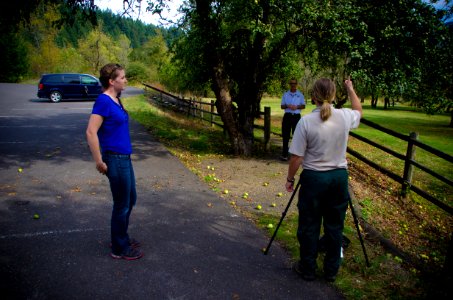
(388, 277)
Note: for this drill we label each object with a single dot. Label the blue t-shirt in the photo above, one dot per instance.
(114, 132)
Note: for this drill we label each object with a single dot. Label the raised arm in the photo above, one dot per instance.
(355, 101)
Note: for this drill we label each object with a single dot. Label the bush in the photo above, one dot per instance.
(137, 72)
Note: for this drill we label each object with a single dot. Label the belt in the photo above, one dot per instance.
(108, 152)
(294, 114)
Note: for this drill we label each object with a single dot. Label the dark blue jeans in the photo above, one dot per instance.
(122, 184)
(323, 198)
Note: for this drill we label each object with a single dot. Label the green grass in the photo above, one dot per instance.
(388, 277)
(176, 131)
(433, 130)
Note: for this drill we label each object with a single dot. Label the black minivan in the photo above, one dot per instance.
(68, 86)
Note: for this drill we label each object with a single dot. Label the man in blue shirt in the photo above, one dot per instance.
(293, 102)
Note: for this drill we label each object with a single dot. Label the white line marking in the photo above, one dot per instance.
(50, 232)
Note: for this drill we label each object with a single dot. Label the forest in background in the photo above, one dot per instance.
(47, 44)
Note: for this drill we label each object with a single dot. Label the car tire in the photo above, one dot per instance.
(55, 97)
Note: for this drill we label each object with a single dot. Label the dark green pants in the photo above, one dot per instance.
(323, 198)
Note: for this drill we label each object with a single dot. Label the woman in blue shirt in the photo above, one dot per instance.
(110, 145)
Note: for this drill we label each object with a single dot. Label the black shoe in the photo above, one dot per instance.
(284, 158)
(305, 276)
(129, 254)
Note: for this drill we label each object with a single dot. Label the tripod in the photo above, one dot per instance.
(356, 222)
(283, 216)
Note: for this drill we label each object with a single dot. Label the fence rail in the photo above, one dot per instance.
(409, 162)
(409, 159)
(195, 109)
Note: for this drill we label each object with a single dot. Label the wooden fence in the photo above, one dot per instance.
(409, 162)
(206, 111)
(199, 109)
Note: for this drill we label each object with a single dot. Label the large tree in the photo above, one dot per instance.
(402, 37)
(237, 46)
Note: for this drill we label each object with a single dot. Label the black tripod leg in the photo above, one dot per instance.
(281, 219)
(356, 222)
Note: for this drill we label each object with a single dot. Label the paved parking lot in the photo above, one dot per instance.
(55, 214)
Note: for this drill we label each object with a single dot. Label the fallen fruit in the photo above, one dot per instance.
(265, 183)
(225, 192)
(20, 170)
(280, 194)
(259, 207)
(35, 216)
(270, 226)
(273, 205)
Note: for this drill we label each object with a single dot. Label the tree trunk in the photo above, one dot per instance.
(226, 109)
(374, 100)
(386, 102)
(451, 119)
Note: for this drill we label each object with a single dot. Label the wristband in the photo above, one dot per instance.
(290, 180)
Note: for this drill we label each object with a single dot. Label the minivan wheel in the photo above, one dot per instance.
(55, 97)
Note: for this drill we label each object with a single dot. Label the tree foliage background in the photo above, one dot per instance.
(51, 36)
(240, 50)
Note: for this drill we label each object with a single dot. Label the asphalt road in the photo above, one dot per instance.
(196, 246)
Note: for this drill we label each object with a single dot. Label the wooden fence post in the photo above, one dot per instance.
(408, 167)
(212, 113)
(267, 128)
(189, 106)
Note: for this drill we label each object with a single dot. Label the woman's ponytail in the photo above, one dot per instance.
(324, 93)
(326, 110)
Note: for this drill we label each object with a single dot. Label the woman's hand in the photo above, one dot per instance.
(101, 167)
(289, 186)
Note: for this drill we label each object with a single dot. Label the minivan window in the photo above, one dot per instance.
(52, 79)
(72, 79)
(89, 80)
